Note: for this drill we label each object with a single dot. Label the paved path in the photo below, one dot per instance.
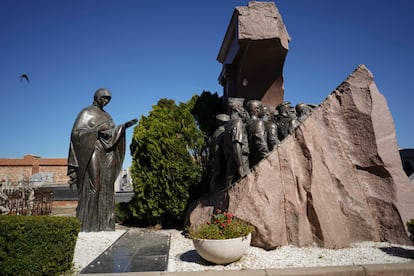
(134, 251)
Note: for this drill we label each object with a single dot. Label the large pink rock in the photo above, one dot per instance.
(337, 180)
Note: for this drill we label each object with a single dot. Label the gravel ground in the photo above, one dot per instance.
(183, 257)
(91, 245)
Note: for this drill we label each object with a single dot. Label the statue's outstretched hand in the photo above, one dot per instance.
(131, 123)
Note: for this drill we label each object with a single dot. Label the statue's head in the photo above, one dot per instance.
(283, 108)
(235, 103)
(102, 97)
(254, 107)
(301, 107)
(266, 112)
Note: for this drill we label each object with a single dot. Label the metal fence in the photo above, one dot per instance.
(25, 200)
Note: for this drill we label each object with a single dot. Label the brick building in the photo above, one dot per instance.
(15, 170)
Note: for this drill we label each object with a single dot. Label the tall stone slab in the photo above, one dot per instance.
(337, 180)
(253, 53)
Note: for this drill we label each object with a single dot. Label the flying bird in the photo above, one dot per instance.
(24, 76)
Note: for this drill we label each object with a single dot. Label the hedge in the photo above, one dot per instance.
(37, 245)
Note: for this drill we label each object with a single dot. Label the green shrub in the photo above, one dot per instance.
(123, 215)
(37, 245)
(171, 160)
(164, 167)
(410, 226)
(206, 107)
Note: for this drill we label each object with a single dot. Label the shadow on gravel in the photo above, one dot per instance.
(193, 257)
(399, 252)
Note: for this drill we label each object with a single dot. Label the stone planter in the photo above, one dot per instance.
(222, 251)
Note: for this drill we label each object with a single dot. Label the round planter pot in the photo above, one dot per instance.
(222, 251)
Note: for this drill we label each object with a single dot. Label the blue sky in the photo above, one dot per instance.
(145, 50)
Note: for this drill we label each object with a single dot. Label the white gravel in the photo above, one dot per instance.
(183, 257)
(90, 245)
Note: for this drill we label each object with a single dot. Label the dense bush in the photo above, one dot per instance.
(37, 245)
(206, 107)
(165, 171)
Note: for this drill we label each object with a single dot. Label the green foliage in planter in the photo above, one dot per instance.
(37, 245)
(223, 225)
(410, 227)
(165, 170)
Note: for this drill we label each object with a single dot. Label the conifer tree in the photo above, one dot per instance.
(164, 168)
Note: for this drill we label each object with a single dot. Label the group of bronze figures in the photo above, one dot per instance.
(247, 133)
(97, 146)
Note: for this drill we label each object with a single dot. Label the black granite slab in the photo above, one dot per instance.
(135, 251)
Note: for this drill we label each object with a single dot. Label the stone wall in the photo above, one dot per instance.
(15, 169)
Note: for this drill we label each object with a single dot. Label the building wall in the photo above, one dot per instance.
(14, 174)
(15, 169)
(59, 173)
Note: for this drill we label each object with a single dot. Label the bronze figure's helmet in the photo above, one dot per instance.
(223, 118)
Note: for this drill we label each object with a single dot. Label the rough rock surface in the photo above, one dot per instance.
(261, 20)
(253, 53)
(337, 180)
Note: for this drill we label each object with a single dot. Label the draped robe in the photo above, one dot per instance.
(96, 158)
